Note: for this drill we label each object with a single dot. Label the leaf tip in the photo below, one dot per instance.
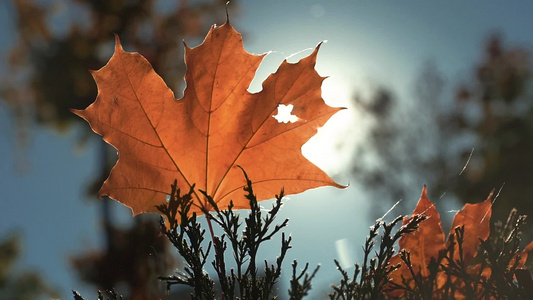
(342, 186)
(78, 112)
(227, 12)
(491, 194)
(424, 192)
(187, 48)
(315, 53)
(118, 45)
(320, 45)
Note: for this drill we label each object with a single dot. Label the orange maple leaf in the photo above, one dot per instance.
(476, 220)
(426, 243)
(423, 244)
(216, 126)
(523, 256)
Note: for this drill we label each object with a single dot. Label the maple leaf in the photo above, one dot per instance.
(426, 243)
(216, 126)
(423, 244)
(523, 256)
(476, 220)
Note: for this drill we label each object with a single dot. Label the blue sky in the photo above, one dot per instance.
(368, 42)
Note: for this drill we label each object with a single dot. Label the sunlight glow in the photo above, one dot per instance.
(332, 147)
(324, 149)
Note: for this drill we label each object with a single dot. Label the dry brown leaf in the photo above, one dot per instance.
(428, 240)
(476, 220)
(523, 256)
(423, 244)
(216, 126)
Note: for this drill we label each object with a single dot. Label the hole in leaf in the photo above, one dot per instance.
(168, 198)
(285, 114)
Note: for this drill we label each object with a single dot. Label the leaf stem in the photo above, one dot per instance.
(208, 217)
(218, 255)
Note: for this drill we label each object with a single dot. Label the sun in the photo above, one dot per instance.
(324, 149)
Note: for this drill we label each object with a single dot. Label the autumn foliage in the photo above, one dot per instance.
(429, 266)
(219, 137)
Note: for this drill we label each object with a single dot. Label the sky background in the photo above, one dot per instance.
(368, 43)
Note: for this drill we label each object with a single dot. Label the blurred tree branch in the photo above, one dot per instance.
(430, 140)
(24, 285)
